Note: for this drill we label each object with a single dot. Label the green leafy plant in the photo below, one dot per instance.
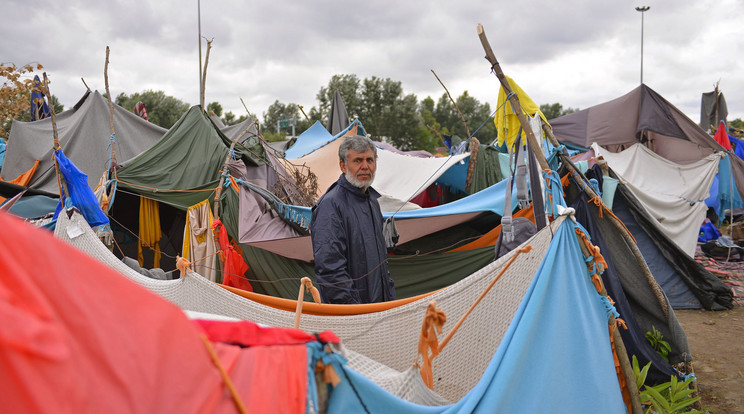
(656, 339)
(668, 398)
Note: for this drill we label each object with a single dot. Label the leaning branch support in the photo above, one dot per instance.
(514, 101)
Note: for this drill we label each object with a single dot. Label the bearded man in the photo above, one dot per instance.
(346, 231)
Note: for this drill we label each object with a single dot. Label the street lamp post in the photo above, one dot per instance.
(642, 10)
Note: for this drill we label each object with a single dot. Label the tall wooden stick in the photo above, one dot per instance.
(111, 110)
(204, 75)
(453, 103)
(55, 144)
(513, 99)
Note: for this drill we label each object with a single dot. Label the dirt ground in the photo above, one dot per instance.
(717, 344)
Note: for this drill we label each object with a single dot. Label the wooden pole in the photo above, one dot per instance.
(204, 75)
(111, 110)
(513, 99)
(453, 103)
(55, 144)
(86, 85)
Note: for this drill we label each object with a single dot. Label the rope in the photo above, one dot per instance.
(306, 285)
(228, 382)
(433, 322)
(435, 316)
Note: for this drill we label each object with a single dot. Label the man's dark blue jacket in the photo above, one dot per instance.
(348, 243)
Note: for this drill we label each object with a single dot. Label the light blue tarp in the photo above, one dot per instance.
(489, 199)
(2, 151)
(313, 138)
(555, 357)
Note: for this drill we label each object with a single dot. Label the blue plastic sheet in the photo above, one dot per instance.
(79, 193)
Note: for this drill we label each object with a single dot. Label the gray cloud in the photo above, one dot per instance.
(577, 52)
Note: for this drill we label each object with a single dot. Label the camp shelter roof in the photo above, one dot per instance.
(399, 176)
(182, 169)
(233, 131)
(84, 134)
(317, 136)
(338, 118)
(309, 140)
(641, 115)
(673, 194)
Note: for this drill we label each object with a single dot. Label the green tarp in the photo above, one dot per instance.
(181, 168)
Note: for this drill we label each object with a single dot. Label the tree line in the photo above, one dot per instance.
(386, 111)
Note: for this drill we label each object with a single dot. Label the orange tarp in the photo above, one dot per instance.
(22, 179)
(490, 238)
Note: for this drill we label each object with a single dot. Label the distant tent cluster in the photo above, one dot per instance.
(213, 219)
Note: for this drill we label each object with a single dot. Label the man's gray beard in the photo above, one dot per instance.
(358, 184)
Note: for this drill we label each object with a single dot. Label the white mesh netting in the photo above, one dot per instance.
(382, 345)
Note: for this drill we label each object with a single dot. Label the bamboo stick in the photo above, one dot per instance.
(204, 75)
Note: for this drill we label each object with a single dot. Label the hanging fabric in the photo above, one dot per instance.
(198, 242)
(149, 230)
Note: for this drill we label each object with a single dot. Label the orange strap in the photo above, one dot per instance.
(598, 202)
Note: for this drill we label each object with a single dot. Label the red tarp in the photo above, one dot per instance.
(75, 336)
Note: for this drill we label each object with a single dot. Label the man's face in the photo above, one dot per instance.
(359, 168)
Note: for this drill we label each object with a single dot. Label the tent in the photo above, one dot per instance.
(85, 136)
(642, 116)
(338, 118)
(685, 282)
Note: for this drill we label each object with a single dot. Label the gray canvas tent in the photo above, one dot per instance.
(644, 116)
(84, 135)
(338, 118)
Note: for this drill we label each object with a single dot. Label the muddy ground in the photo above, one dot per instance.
(717, 343)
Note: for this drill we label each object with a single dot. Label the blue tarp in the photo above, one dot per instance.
(555, 357)
(313, 138)
(78, 192)
(490, 199)
(33, 206)
(721, 195)
(2, 151)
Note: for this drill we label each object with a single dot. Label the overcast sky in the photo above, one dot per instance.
(575, 52)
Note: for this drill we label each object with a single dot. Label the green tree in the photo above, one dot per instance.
(348, 87)
(477, 115)
(277, 111)
(161, 109)
(387, 113)
(215, 108)
(552, 111)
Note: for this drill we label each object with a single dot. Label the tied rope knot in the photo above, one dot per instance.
(309, 288)
(428, 340)
(600, 205)
(183, 265)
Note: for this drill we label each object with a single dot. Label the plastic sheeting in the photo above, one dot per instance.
(673, 194)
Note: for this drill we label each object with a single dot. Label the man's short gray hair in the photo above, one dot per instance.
(358, 143)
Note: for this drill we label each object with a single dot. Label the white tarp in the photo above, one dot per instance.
(399, 176)
(672, 194)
